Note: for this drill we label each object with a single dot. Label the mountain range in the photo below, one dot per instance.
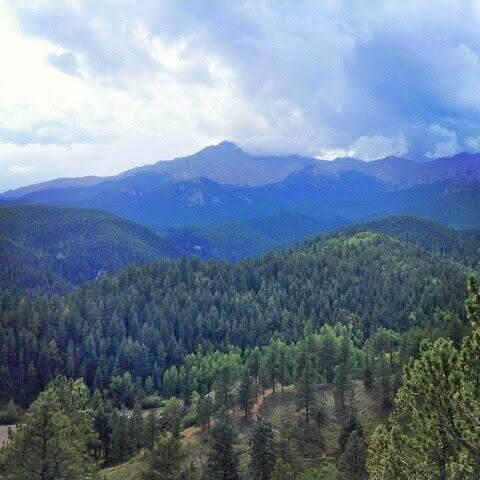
(223, 183)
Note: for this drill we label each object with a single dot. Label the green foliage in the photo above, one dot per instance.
(245, 390)
(282, 470)
(152, 401)
(343, 371)
(205, 410)
(262, 450)
(306, 374)
(151, 429)
(51, 249)
(164, 461)
(52, 441)
(461, 246)
(434, 432)
(172, 413)
(326, 471)
(354, 458)
(9, 415)
(222, 460)
(381, 349)
(160, 322)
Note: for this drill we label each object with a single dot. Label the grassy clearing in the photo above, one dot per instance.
(126, 471)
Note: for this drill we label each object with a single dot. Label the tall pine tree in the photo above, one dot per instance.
(222, 461)
(262, 451)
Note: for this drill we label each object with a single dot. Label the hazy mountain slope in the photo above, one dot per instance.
(224, 184)
(58, 183)
(346, 197)
(228, 164)
(236, 240)
(45, 248)
(455, 202)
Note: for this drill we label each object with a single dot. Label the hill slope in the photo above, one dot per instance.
(456, 245)
(48, 248)
(241, 239)
(149, 317)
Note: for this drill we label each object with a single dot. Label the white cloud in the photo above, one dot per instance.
(378, 146)
(473, 142)
(446, 147)
(127, 83)
(442, 132)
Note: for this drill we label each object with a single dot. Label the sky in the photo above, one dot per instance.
(97, 87)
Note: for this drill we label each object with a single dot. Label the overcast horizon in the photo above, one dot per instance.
(90, 88)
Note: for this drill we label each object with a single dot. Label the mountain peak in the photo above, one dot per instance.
(225, 147)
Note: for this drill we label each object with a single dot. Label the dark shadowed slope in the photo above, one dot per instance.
(49, 248)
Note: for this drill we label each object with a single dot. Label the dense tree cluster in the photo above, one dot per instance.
(434, 431)
(183, 343)
(462, 246)
(148, 319)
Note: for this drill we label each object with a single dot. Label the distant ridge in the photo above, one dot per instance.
(223, 183)
(54, 184)
(226, 163)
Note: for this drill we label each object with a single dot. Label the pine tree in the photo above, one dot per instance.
(164, 460)
(434, 433)
(223, 385)
(264, 376)
(272, 360)
(342, 378)
(327, 352)
(151, 429)
(222, 461)
(306, 375)
(102, 422)
(262, 454)
(205, 408)
(9, 416)
(172, 413)
(284, 365)
(353, 461)
(120, 442)
(52, 441)
(245, 390)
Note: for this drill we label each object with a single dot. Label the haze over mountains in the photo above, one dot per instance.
(223, 183)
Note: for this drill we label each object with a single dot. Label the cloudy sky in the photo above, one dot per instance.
(96, 87)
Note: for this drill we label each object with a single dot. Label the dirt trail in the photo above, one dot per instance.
(4, 433)
(193, 434)
(259, 403)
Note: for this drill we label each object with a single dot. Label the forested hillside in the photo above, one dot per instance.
(459, 245)
(237, 240)
(45, 249)
(181, 348)
(148, 318)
